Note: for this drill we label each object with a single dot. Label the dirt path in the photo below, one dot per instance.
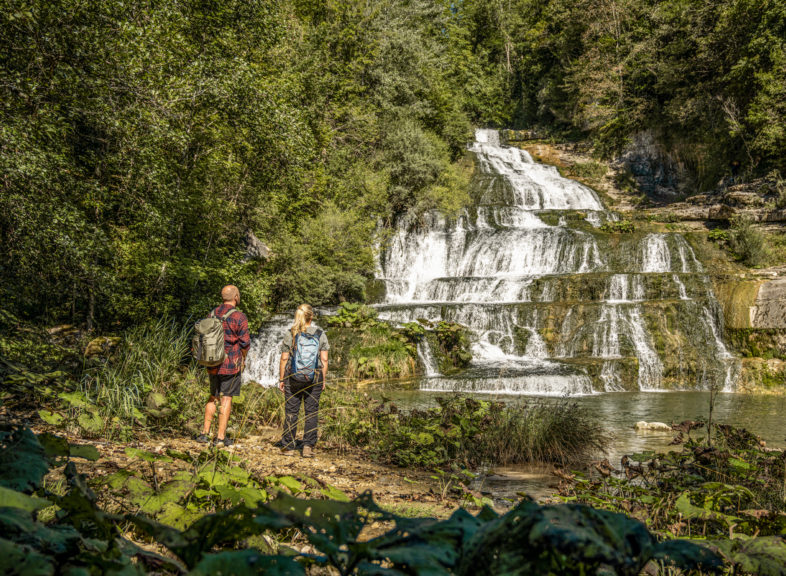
(405, 492)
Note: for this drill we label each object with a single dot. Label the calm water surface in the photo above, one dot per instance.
(619, 412)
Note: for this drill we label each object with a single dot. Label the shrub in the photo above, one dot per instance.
(618, 227)
(747, 242)
(148, 379)
(719, 235)
(458, 431)
(468, 432)
(454, 346)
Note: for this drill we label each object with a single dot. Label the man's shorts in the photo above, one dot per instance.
(225, 384)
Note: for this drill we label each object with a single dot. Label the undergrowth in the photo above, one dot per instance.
(280, 529)
(735, 489)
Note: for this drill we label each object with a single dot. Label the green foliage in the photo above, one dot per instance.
(454, 346)
(747, 242)
(470, 433)
(146, 142)
(529, 539)
(618, 227)
(142, 383)
(719, 235)
(353, 315)
(736, 487)
(373, 349)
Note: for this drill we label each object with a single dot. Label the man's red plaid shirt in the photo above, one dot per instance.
(236, 338)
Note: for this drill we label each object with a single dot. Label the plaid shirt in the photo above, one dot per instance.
(236, 338)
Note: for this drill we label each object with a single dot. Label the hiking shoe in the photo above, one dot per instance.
(290, 452)
(308, 452)
(202, 438)
(225, 442)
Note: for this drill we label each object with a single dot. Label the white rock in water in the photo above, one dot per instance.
(652, 426)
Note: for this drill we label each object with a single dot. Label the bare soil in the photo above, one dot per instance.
(405, 492)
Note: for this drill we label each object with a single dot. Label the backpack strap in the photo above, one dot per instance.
(228, 313)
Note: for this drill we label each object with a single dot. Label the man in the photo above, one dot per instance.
(225, 379)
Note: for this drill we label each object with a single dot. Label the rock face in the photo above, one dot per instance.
(657, 174)
(754, 303)
(255, 248)
(755, 325)
(769, 310)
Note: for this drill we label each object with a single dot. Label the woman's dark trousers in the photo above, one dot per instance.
(294, 394)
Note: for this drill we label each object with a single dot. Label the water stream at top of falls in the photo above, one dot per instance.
(555, 305)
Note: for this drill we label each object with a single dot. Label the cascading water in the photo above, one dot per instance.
(262, 363)
(553, 309)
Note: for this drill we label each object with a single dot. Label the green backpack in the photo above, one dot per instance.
(207, 345)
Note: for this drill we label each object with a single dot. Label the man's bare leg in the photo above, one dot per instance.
(223, 416)
(210, 411)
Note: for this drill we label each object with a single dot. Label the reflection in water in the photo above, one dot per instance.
(762, 415)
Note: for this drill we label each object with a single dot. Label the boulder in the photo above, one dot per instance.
(101, 346)
(643, 426)
(255, 248)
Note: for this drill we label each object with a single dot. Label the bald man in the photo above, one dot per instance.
(225, 379)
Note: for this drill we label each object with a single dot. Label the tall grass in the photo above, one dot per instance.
(151, 359)
(473, 433)
(459, 430)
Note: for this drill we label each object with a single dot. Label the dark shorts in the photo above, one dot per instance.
(225, 384)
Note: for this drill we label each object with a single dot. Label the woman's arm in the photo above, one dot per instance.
(282, 369)
(323, 356)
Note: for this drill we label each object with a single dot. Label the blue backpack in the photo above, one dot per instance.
(304, 359)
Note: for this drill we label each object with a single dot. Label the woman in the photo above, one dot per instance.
(302, 374)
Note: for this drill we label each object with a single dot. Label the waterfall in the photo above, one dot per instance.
(429, 363)
(681, 287)
(656, 256)
(553, 308)
(262, 363)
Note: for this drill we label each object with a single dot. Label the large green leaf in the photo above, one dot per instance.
(146, 456)
(425, 546)
(86, 451)
(51, 418)
(688, 510)
(75, 399)
(331, 526)
(56, 447)
(18, 526)
(23, 462)
(18, 560)
(687, 555)
(226, 527)
(764, 556)
(13, 499)
(177, 516)
(247, 494)
(537, 539)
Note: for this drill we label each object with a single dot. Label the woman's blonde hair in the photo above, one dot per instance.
(303, 317)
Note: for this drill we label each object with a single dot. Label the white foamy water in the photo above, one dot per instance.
(262, 363)
(655, 254)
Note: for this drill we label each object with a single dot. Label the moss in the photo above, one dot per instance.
(375, 291)
(764, 375)
(758, 343)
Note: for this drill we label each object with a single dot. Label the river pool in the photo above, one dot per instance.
(763, 415)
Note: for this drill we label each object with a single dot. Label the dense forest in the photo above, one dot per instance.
(146, 144)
